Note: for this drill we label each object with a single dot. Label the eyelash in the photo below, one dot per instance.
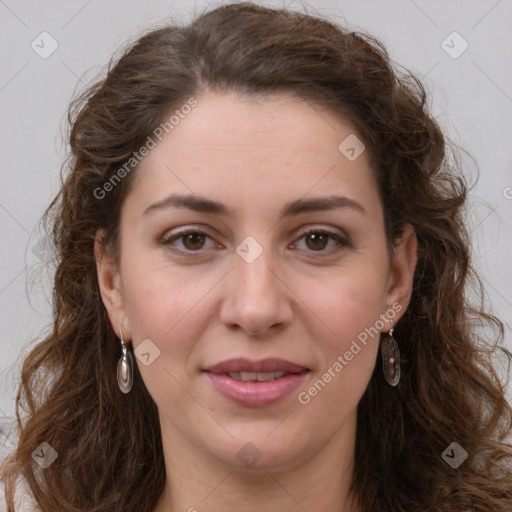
(342, 242)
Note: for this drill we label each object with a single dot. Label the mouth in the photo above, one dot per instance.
(256, 383)
(265, 366)
(257, 377)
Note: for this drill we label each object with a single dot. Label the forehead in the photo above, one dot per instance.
(278, 124)
(280, 146)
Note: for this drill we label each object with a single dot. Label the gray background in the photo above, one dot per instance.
(471, 97)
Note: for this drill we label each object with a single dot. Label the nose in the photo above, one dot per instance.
(256, 296)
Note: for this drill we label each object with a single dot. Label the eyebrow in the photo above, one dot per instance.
(206, 205)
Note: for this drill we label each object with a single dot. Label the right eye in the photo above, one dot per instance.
(191, 240)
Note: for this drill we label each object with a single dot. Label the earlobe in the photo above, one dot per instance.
(405, 256)
(110, 285)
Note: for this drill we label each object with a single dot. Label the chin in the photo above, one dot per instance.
(253, 449)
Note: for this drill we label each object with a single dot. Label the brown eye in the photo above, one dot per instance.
(318, 240)
(193, 241)
(188, 241)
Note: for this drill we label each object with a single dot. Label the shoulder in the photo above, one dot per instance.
(23, 498)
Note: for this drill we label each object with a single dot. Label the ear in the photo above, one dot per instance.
(403, 264)
(110, 285)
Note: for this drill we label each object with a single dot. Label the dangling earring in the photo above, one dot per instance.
(125, 368)
(391, 359)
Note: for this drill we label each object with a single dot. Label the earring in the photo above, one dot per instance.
(125, 368)
(391, 359)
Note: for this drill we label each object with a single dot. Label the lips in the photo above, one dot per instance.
(256, 383)
(270, 365)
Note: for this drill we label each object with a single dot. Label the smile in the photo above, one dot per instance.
(251, 389)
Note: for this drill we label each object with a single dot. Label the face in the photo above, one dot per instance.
(264, 267)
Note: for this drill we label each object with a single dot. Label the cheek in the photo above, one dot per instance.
(156, 294)
(351, 301)
(347, 349)
(161, 313)
(167, 305)
(348, 336)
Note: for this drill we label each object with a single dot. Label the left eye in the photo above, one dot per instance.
(316, 240)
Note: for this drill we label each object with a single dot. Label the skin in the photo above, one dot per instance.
(208, 304)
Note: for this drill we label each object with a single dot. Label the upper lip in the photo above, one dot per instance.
(263, 366)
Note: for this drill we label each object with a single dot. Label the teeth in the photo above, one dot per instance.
(256, 377)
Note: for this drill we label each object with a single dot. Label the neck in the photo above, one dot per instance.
(197, 482)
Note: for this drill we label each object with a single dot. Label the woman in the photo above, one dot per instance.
(260, 299)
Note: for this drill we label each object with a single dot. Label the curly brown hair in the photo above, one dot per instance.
(449, 388)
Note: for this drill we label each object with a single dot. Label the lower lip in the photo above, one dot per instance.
(256, 394)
